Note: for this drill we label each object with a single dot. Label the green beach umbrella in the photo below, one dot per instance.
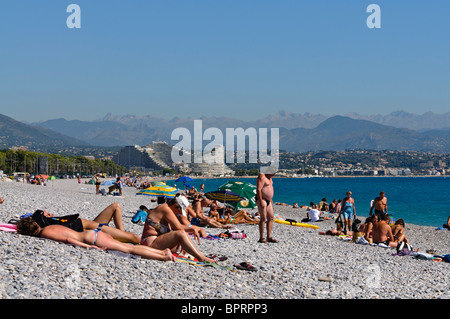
(244, 190)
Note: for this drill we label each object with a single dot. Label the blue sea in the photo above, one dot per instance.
(418, 200)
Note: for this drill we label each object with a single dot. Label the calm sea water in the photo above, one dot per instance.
(418, 200)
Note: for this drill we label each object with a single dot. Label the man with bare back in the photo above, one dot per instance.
(382, 232)
(264, 195)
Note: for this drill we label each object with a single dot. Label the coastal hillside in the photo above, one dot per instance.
(341, 133)
(15, 133)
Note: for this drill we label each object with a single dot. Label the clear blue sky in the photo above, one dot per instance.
(238, 58)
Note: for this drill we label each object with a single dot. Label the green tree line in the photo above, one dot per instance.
(54, 164)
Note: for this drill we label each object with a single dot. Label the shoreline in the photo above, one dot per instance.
(293, 268)
(312, 176)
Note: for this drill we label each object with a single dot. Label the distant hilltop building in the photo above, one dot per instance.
(157, 157)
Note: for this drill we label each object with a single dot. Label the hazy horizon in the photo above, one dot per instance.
(230, 117)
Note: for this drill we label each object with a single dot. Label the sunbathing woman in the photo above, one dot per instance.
(241, 217)
(162, 229)
(334, 232)
(89, 239)
(113, 212)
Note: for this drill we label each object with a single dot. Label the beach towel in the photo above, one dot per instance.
(233, 233)
(8, 227)
(362, 241)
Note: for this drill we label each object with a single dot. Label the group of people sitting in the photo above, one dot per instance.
(375, 231)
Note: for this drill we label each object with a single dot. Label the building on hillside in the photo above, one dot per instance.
(157, 156)
(153, 157)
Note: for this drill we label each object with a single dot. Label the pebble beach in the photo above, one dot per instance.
(302, 265)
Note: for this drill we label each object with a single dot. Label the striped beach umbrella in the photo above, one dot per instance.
(159, 191)
(224, 196)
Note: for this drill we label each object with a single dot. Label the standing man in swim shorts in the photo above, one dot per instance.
(380, 205)
(264, 195)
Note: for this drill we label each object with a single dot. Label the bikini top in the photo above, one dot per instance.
(160, 228)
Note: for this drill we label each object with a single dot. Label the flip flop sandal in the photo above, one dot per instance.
(262, 240)
(271, 240)
(245, 266)
(215, 257)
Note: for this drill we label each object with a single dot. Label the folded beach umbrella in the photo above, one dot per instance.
(159, 191)
(244, 190)
(224, 196)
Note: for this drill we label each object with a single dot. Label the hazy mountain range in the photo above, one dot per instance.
(298, 132)
(15, 133)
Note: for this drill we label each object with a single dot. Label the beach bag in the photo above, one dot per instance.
(71, 221)
(139, 216)
(355, 224)
(403, 245)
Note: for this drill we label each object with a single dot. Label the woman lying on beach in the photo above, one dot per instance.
(162, 229)
(113, 212)
(95, 238)
(241, 217)
(335, 232)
